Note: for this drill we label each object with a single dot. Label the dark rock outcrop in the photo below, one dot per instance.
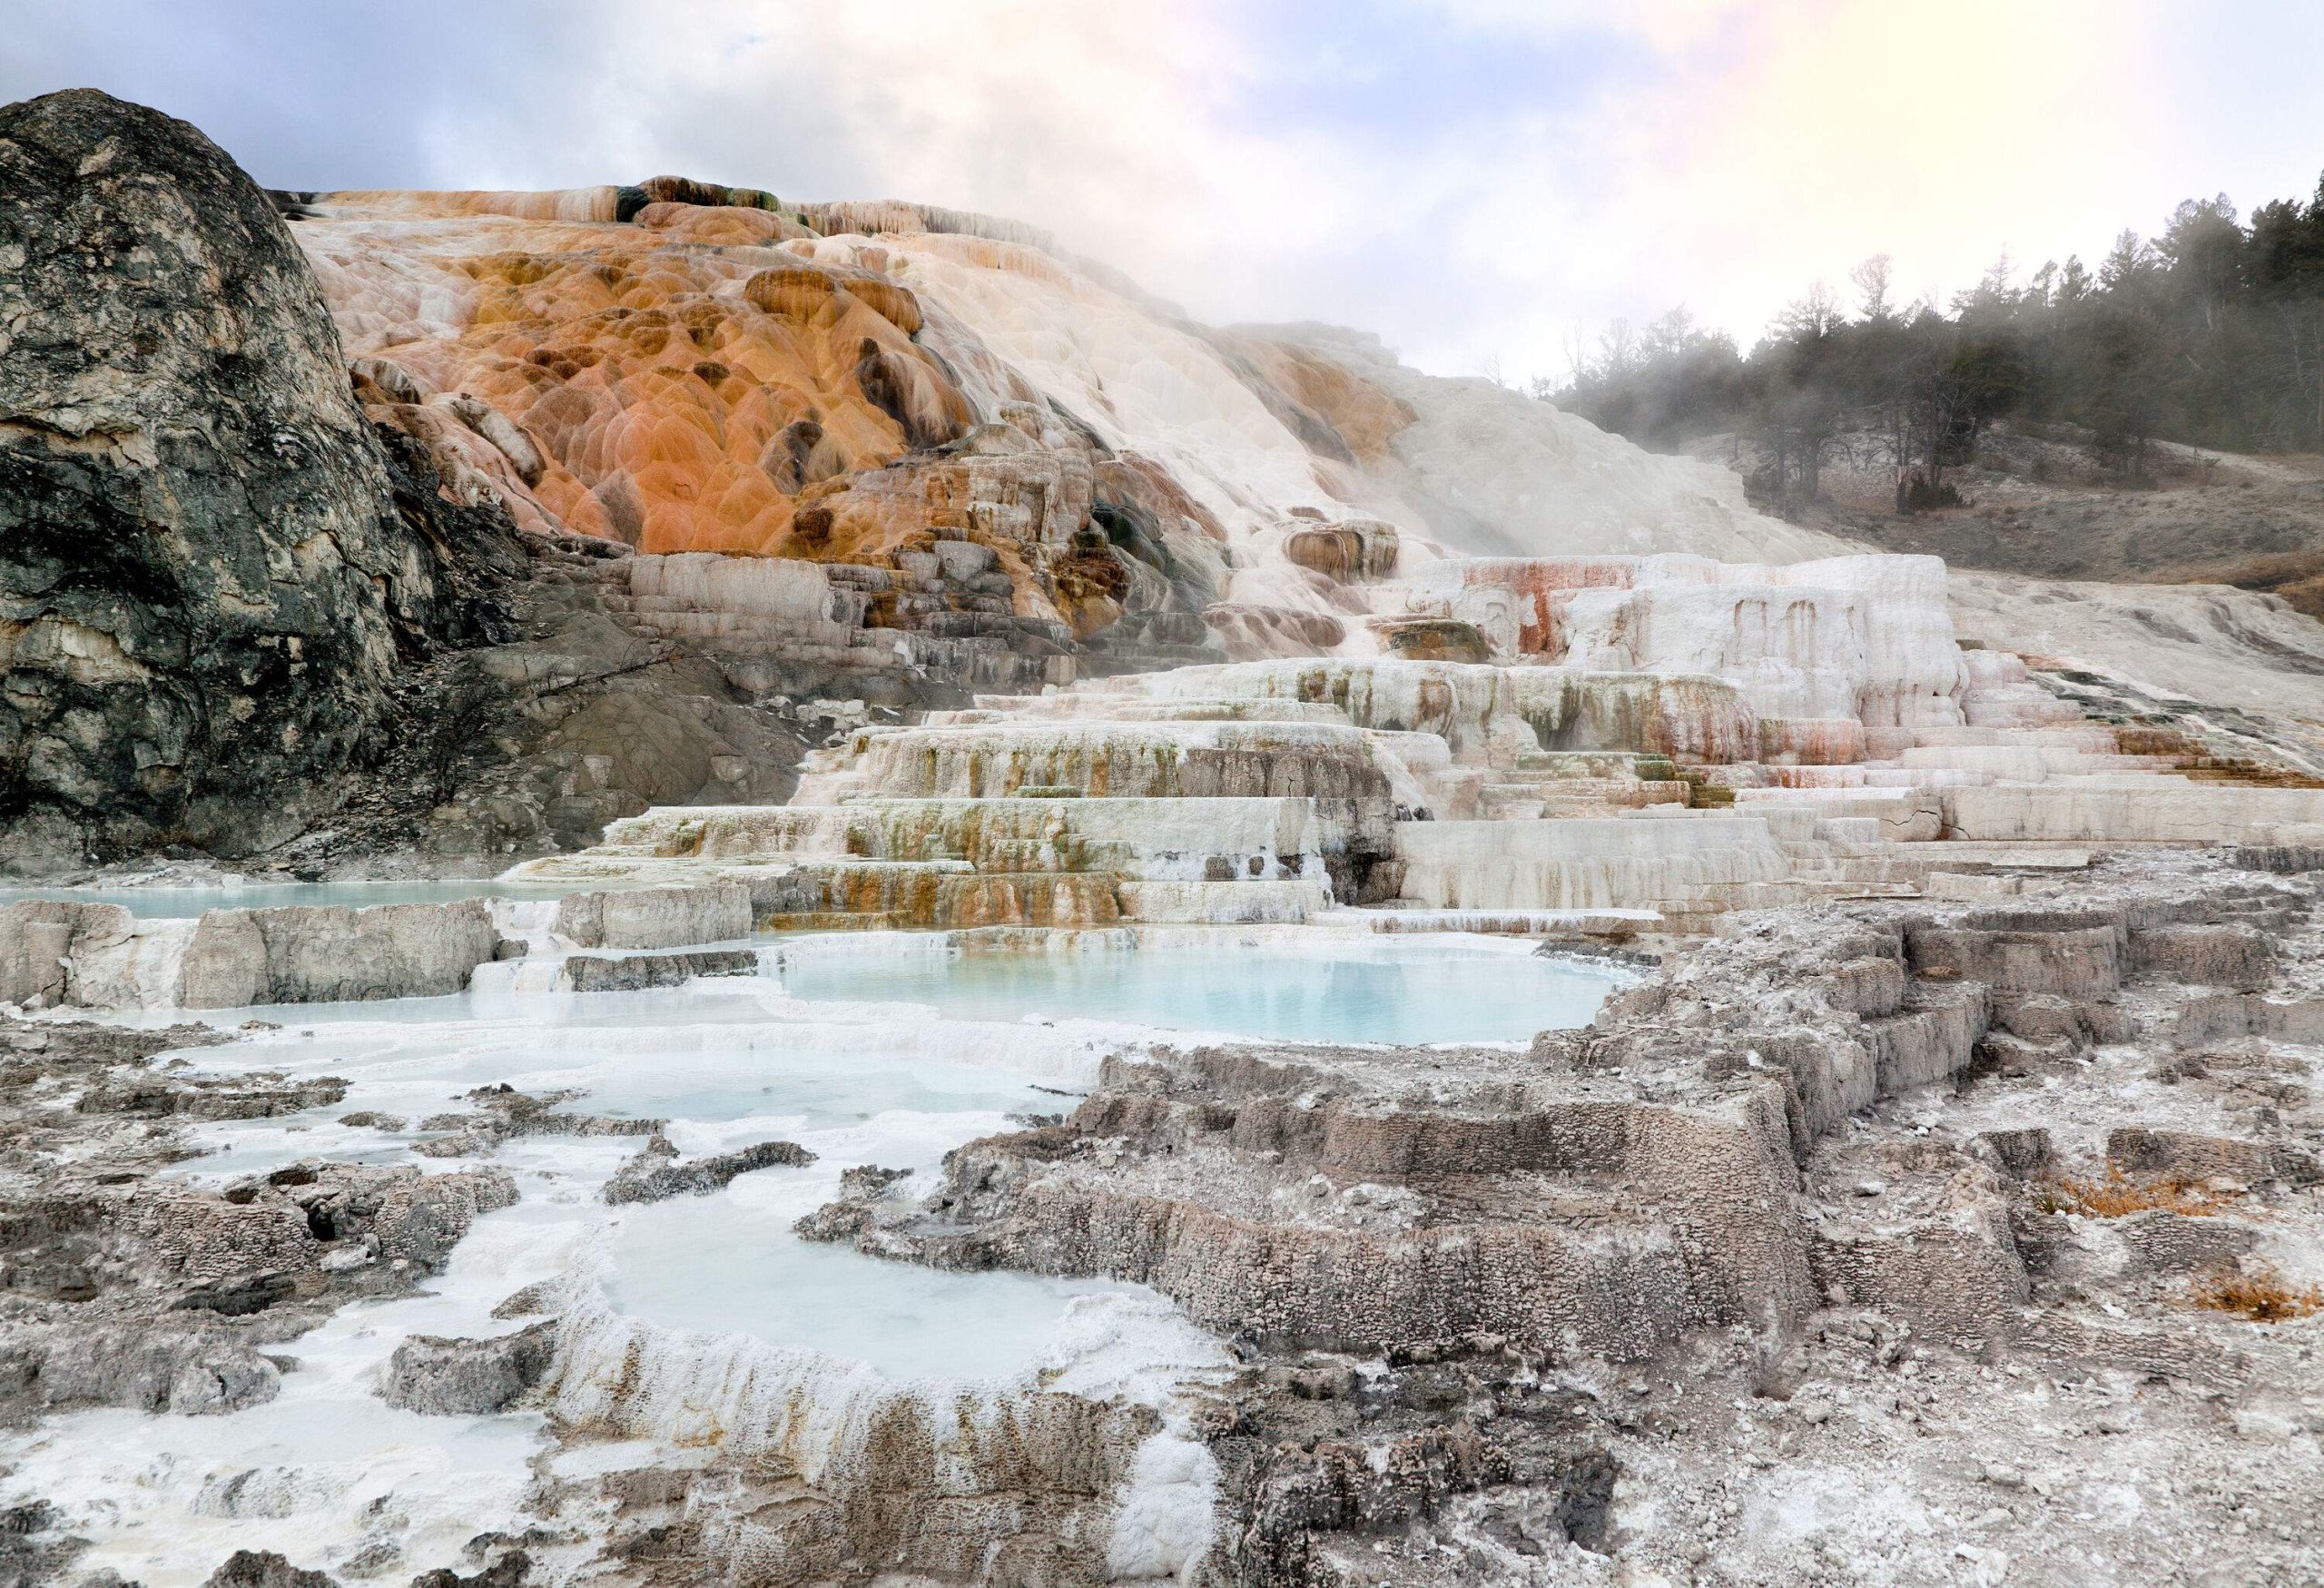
(248, 1568)
(211, 568)
(655, 1174)
(635, 973)
(510, 1570)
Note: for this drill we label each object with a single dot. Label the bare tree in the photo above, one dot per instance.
(1812, 316)
(1668, 336)
(1577, 355)
(1872, 278)
(1796, 431)
(1617, 351)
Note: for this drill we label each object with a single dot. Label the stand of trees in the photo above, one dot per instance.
(2212, 334)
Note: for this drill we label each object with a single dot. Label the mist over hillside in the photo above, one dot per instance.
(2209, 333)
(2064, 421)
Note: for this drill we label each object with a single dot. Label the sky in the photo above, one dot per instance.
(1486, 184)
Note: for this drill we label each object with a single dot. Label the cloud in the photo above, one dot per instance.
(1473, 179)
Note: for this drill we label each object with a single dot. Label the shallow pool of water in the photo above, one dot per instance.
(721, 1263)
(905, 1321)
(1402, 992)
(874, 1050)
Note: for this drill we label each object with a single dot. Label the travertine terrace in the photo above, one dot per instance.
(1933, 1197)
(1662, 734)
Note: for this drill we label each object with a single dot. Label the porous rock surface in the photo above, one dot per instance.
(465, 1377)
(122, 1288)
(125, 1289)
(1846, 1197)
(1904, 1206)
(264, 1569)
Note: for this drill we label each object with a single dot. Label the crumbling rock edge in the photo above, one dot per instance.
(1883, 1189)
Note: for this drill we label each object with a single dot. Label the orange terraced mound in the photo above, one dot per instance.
(687, 400)
(680, 367)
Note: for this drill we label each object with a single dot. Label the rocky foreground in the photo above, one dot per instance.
(1863, 1242)
(1868, 1243)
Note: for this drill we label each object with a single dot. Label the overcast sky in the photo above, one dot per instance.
(1475, 180)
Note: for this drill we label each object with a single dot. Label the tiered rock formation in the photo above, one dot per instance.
(1665, 735)
(1053, 482)
(933, 455)
(1250, 628)
(1417, 1250)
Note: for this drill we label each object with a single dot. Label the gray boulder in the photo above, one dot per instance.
(330, 953)
(465, 1377)
(654, 918)
(39, 937)
(160, 1365)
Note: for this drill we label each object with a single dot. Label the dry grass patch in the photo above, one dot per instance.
(2118, 1196)
(2146, 741)
(2297, 577)
(2261, 1295)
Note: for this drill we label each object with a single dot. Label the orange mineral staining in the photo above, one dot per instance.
(1543, 586)
(1359, 419)
(687, 383)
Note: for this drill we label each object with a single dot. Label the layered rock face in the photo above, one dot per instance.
(1840, 1161)
(72, 952)
(1861, 638)
(1475, 794)
(210, 570)
(1270, 791)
